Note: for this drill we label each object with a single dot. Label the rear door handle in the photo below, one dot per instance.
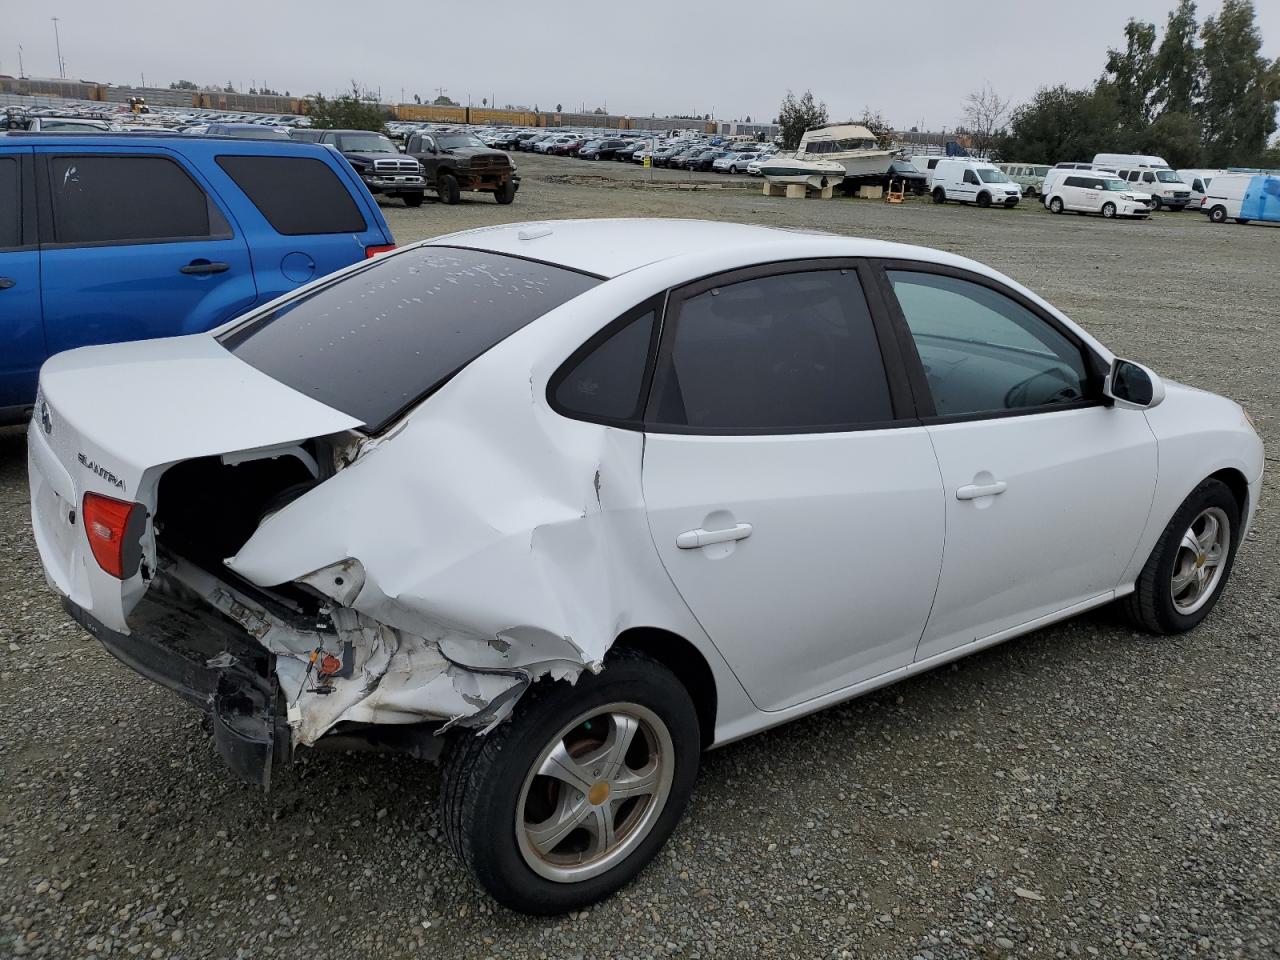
(7, 282)
(201, 267)
(974, 491)
(692, 539)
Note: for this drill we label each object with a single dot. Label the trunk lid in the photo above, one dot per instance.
(109, 420)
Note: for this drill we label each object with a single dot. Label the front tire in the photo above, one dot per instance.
(505, 193)
(1109, 210)
(447, 188)
(1155, 203)
(413, 199)
(1190, 563)
(984, 200)
(566, 802)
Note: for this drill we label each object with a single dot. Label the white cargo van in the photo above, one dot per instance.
(1150, 174)
(1092, 191)
(1198, 181)
(973, 181)
(1243, 197)
(926, 163)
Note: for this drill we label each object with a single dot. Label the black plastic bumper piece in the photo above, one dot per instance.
(211, 663)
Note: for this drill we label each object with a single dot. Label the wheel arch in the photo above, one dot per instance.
(1235, 482)
(684, 660)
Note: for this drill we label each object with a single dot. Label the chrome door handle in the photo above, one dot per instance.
(973, 491)
(7, 282)
(692, 539)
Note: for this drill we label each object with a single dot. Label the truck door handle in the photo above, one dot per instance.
(7, 282)
(202, 267)
(692, 539)
(974, 491)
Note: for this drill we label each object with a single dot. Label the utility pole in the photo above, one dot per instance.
(21, 71)
(62, 66)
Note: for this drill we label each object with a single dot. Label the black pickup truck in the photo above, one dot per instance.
(378, 162)
(453, 162)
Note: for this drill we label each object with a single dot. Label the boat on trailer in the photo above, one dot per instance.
(814, 173)
(851, 145)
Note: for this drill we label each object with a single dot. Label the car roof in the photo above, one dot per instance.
(180, 142)
(611, 247)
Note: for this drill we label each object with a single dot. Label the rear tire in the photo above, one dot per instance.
(1055, 205)
(1218, 214)
(447, 188)
(491, 786)
(939, 195)
(1157, 603)
(1109, 210)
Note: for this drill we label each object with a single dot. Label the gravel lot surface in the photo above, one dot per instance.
(1084, 791)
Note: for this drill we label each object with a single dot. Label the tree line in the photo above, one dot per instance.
(1203, 95)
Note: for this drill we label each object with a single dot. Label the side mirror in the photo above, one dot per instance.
(1133, 386)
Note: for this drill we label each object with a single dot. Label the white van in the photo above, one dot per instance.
(1243, 197)
(1198, 181)
(973, 181)
(1029, 176)
(926, 163)
(1092, 191)
(1150, 174)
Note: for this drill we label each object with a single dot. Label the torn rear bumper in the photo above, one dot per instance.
(212, 665)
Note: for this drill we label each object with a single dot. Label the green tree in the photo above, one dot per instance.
(1129, 72)
(1176, 68)
(796, 115)
(1240, 86)
(183, 85)
(1063, 124)
(1174, 136)
(350, 111)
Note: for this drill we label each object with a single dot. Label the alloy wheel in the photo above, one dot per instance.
(595, 792)
(1202, 554)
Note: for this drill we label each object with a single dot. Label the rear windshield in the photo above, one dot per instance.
(378, 341)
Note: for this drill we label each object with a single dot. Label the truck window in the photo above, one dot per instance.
(297, 195)
(970, 177)
(115, 198)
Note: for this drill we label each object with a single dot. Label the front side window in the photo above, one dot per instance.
(1148, 178)
(970, 177)
(985, 353)
(457, 141)
(1167, 176)
(784, 353)
(992, 176)
(375, 342)
(1114, 184)
(10, 203)
(116, 198)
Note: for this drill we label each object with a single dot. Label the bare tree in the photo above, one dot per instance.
(985, 114)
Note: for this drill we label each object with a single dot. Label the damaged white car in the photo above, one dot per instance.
(578, 500)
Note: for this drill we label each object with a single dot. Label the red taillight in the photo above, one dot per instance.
(378, 248)
(106, 523)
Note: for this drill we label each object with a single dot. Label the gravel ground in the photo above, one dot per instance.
(1084, 791)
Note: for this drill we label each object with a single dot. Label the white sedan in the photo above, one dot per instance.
(575, 501)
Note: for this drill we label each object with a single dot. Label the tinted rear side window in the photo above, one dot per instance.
(379, 340)
(10, 204)
(606, 384)
(786, 353)
(104, 198)
(297, 195)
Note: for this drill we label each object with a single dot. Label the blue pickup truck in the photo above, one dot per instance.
(118, 237)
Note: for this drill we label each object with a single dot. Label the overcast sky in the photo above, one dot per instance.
(733, 59)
